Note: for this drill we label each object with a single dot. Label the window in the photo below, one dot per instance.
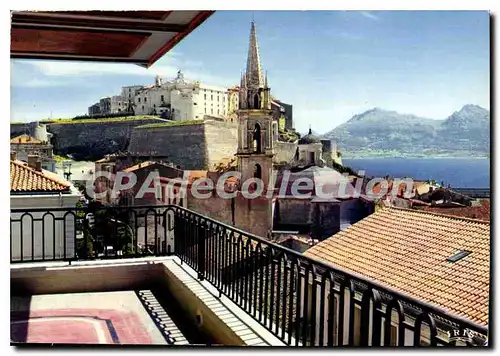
(458, 256)
(257, 139)
(195, 104)
(139, 100)
(212, 111)
(143, 107)
(145, 100)
(217, 111)
(162, 98)
(212, 97)
(205, 110)
(205, 96)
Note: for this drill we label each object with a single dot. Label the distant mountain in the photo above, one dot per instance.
(379, 132)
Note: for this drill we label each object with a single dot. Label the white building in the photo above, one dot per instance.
(180, 99)
(37, 235)
(117, 104)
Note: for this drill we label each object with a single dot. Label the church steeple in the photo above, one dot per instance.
(254, 72)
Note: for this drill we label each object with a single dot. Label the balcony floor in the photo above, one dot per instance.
(125, 317)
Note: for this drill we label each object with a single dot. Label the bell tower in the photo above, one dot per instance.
(255, 122)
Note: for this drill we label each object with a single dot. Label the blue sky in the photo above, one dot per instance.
(330, 65)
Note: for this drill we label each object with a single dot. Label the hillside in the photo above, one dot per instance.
(379, 132)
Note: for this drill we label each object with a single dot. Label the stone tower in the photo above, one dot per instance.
(255, 146)
(255, 135)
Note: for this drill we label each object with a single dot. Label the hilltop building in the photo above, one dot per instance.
(111, 105)
(177, 100)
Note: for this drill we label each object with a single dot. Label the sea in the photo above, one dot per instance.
(459, 172)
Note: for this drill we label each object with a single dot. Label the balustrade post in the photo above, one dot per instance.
(201, 250)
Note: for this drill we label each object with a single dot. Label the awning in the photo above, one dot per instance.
(140, 37)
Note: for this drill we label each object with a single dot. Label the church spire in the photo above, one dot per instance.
(254, 73)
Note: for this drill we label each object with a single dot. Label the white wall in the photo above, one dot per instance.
(213, 100)
(190, 101)
(49, 234)
(312, 147)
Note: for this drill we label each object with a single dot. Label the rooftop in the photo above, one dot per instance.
(26, 179)
(232, 286)
(408, 250)
(480, 212)
(25, 139)
(309, 138)
(143, 165)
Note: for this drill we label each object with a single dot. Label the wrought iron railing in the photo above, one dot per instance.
(302, 301)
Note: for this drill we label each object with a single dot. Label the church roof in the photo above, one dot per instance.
(254, 71)
(309, 138)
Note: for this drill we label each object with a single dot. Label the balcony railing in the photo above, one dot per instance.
(302, 301)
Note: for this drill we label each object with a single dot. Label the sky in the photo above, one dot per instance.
(330, 65)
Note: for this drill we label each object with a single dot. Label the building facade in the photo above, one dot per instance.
(25, 146)
(180, 100)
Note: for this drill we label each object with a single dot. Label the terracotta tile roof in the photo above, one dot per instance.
(481, 212)
(401, 189)
(194, 175)
(408, 250)
(26, 179)
(103, 160)
(138, 166)
(144, 165)
(23, 139)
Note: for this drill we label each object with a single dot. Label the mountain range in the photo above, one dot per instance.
(379, 132)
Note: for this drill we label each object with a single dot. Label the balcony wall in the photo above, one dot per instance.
(265, 283)
(201, 308)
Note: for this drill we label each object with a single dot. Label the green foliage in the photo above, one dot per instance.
(344, 169)
(59, 158)
(99, 121)
(172, 123)
(287, 136)
(281, 123)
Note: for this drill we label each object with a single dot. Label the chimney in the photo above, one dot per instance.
(12, 156)
(32, 161)
(38, 166)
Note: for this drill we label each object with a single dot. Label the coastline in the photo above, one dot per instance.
(413, 156)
